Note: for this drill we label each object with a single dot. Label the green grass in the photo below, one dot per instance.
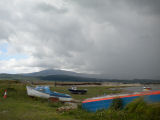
(18, 106)
(92, 91)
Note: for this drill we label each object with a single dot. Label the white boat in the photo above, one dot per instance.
(62, 97)
(44, 92)
(35, 93)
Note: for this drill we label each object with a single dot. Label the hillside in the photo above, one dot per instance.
(68, 78)
(52, 72)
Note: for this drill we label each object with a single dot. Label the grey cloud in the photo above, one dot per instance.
(137, 40)
(109, 37)
(47, 8)
(145, 6)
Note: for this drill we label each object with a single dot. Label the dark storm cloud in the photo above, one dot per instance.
(135, 47)
(47, 8)
(145, 6)
(117, 38)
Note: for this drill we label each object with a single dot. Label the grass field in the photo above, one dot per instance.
(18, 106)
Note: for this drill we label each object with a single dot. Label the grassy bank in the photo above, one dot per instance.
(18, 106)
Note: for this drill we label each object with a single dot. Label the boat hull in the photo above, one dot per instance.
(32, 92)
(77, 91)
(104, 103)
(35, 93)
(63, 99)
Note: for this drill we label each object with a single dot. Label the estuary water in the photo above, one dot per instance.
(140, 88)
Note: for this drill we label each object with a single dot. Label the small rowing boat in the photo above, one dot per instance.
(45, 92)
(146, 88)
(74, 90)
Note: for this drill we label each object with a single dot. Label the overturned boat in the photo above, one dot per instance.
(74, 90)
(104, 102)
(45, 92)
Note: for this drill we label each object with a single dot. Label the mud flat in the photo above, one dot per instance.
(87, 84)
(120, 84)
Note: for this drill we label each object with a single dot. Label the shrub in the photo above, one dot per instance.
(117, 104)
(136, 106)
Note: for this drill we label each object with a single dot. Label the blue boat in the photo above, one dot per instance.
(104, 102)
(45, 92)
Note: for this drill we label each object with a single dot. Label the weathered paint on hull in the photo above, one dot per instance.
(35, 93)
(65, 99)
(32, 92)
(104, 103)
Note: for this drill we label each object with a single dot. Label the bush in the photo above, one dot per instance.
(117, 104)
(136, 106)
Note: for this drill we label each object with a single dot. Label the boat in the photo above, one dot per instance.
(31, 91)
(74, 90)
(104, 102)
(146, 88)
(45, 92)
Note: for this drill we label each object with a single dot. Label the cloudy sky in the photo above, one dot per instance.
(111, 37)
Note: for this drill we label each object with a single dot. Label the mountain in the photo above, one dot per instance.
(57, 72)
(69, 73)
(67, 78)
(44, 76)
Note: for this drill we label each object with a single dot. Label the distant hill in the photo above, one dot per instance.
(58, 72)
(67, 78)
(70, 73)
(61, 75)
(5, 76)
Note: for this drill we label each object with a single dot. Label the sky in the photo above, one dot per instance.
(110, 37)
